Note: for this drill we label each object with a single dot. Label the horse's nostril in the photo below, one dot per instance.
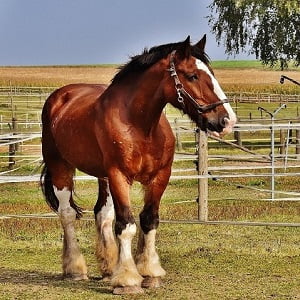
(222, 121)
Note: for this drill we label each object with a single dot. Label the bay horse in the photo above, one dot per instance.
(119, 134)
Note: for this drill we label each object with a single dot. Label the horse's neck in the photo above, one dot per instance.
(145, 103)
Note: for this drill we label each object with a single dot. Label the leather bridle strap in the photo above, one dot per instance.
(183, 94)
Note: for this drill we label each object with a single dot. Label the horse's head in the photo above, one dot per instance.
(198, 93)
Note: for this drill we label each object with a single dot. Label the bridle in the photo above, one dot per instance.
(183, 94)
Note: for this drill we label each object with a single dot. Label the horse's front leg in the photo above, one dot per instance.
(148, 262)
(126, 278)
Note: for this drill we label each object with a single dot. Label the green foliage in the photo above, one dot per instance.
(271, 29)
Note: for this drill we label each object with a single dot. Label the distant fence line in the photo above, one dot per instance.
(244, 96)
(16, 90)
(250, 97)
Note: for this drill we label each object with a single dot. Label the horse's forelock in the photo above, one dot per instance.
(200, 54)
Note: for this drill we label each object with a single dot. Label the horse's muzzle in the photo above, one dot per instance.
(221, 127)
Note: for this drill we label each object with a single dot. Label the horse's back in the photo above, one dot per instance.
(68, 119)
(73, 94)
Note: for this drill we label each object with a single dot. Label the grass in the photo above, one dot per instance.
(54, 76)
(237, 64)
(203, 262)
(256, 78)
(248, 64)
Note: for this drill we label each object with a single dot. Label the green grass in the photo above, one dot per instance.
(247, 64)
(244, 110)
(237, 64)
(202, 262)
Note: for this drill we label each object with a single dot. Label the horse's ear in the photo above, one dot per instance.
(201, 44)
(184, 50)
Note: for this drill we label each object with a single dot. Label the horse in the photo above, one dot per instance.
(119, 134)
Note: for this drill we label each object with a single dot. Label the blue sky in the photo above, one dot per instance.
(53, 32)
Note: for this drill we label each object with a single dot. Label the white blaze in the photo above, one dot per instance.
(230, 122)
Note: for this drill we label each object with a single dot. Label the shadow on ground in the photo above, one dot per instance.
(12, 276)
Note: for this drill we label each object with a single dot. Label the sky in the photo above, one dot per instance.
(75, 32)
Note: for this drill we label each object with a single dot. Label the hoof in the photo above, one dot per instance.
(76, 277)
(151, 282)
(123, 290)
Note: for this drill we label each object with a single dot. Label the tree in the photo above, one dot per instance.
(269, 28)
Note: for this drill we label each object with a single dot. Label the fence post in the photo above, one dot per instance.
(202, 182)
(298, 141)
(282, 144)
(11, 155)
(178, 136)
(237, 137)
(15, 128)
(12, 147)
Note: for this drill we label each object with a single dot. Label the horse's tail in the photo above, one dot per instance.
(48, 191)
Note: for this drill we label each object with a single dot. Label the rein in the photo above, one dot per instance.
(182, 93)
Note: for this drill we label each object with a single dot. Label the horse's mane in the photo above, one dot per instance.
(148, 58)
(140, 63)
(199, 54)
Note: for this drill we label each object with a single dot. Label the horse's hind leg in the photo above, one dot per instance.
(61, 177)
(147, 259)
(106, 247)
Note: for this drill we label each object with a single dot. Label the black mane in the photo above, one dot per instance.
(140, 63)
(148, 58)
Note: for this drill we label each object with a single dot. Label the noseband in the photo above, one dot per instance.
(182, 93)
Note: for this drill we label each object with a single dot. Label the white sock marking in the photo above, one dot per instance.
(63, 197)
(107, 212)
(148, 261)
(73, 261)
(126, 273)
(125, 241)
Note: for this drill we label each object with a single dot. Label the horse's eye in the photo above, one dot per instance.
(192, 77)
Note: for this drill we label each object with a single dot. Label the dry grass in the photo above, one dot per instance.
(256, 80)
(54, 76)
(251, 76)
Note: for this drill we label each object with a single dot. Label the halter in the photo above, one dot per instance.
(182, 93)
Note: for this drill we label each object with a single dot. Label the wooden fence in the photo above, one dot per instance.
(27, 102)
(249, 97)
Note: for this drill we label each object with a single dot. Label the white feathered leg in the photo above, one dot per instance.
(106, 247)
(74, 265)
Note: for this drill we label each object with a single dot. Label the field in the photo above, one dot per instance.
(202, 261)
(258, 79)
